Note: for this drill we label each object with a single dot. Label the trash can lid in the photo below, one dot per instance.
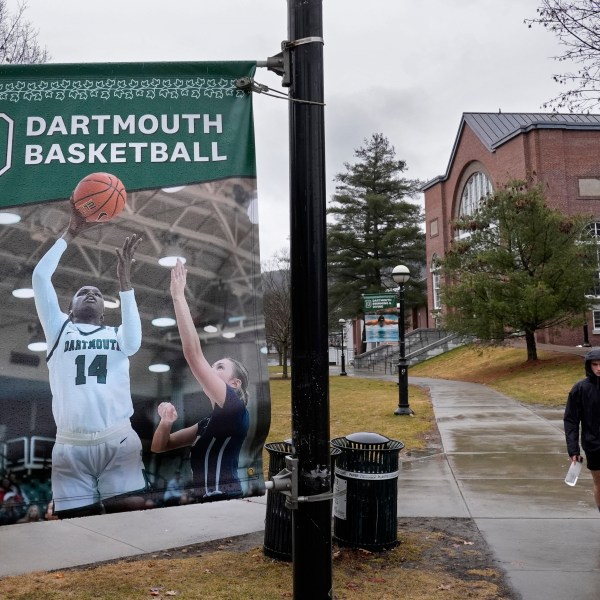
(367, 437)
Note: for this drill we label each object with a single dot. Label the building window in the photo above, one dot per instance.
(596, 317)
(477, 188)
(589, 187)
(594, 229)
(437, 302)
(433, 228)
(435, 282)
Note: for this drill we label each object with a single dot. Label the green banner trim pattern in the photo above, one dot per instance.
(152, 125)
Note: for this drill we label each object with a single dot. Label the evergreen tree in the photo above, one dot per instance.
(374, 227)
(517, 267)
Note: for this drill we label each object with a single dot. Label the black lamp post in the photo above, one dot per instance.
(401, 274)
(342, 323)
(586, 333)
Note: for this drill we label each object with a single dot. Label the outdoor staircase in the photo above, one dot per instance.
(420, 344)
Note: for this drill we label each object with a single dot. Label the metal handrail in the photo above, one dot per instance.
(382, 353)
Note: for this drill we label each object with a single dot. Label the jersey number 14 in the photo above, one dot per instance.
(96, 369)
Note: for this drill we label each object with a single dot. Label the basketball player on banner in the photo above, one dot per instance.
(96, 460)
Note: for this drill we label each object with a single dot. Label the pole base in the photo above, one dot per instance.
(343, 373)
(404, 410)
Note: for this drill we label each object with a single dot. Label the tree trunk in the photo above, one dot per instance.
(363, 337)
(285, 363)
(531, 345)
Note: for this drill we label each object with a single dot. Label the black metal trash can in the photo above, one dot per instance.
(365, 516)
(278, 521)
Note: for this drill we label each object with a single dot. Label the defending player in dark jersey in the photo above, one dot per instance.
(217, 440)
(96, 460)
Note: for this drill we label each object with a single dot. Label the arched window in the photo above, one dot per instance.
(478, 186)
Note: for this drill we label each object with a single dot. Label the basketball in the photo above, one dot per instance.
(99, 197)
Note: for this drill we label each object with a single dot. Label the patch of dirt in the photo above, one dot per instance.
(457, 547)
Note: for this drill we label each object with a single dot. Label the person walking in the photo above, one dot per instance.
(582, 419)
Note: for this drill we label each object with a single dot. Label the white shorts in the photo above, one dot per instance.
(85, 472)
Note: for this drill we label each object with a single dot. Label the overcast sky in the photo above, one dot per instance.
(398, 67)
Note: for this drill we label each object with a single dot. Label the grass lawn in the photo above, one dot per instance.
(546, 381)
(358, 405)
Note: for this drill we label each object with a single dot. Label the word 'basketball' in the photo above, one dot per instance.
(99, 197)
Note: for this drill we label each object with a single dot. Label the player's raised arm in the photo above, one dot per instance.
(125, 260)
(213, 386)
(130, 333)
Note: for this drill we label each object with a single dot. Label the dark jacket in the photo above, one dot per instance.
(583, 410)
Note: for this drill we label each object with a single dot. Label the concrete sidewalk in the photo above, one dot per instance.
(502, 464)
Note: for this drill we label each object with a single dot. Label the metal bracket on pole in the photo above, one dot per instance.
(286, 482)
(280, 63)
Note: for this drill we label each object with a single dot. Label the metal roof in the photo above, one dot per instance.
(495, 129)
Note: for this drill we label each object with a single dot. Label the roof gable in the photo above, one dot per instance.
(495, 129)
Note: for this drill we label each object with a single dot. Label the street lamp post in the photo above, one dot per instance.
(342, 323)
(586, 333)
(401, 274)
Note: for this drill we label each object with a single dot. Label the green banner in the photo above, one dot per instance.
(152, 125)
(373, 302)
(180, 138)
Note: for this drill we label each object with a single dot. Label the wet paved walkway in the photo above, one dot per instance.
(502, 464)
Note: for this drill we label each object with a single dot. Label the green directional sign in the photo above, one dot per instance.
(373, 302)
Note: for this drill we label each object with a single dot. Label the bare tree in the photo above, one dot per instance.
(18, 39)
(277, 306)
(576, 24)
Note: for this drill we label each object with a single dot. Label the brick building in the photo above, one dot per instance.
(562, 151)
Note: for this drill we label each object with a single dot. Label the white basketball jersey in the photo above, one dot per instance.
(89, 379)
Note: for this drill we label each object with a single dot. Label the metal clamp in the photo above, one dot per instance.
(286, 482)
(280, 63)
(306, 40)
(322, 497)
(247, 84)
